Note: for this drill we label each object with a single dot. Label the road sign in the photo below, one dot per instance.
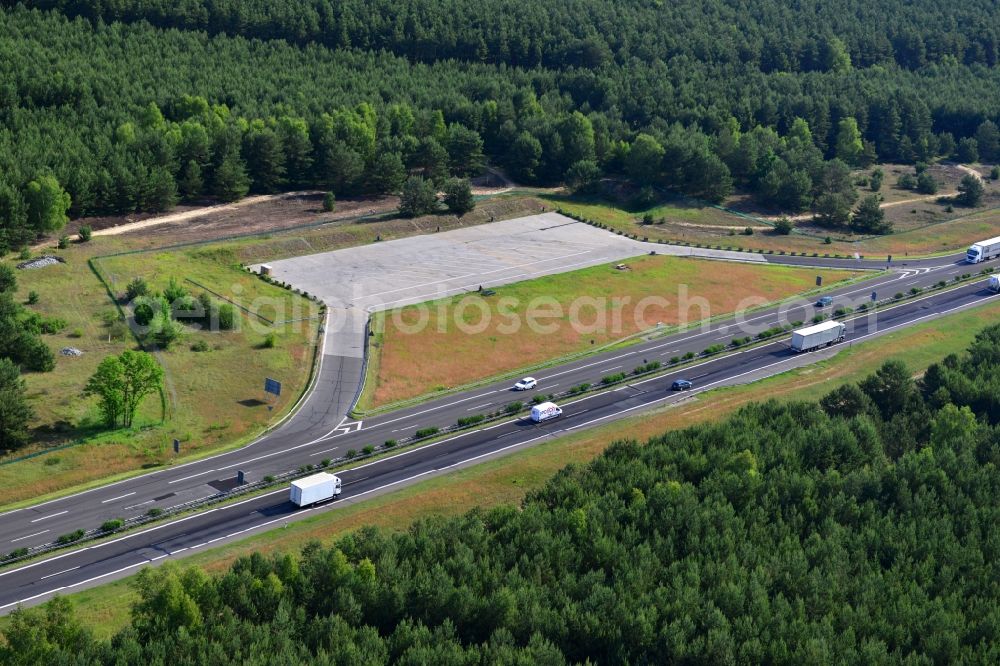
(889, 259)
(177, 446)
(240, 478)
(272, 386)
(819, 280)
(874, 297)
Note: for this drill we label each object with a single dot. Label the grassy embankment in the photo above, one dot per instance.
(507, 480)
(213, 398)
(411, 360)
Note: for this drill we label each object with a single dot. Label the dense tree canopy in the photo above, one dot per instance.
(862, 529)
(135, 104)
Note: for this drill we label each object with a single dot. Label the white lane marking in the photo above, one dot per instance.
(432, 409)
(51, 515)
(136, 506)
(185, 478)
(21, 601)
(319, 371)
(29, 536)
(485, 404)
(967, 305)
(59, 572)
(119, 497)
(611, 368)
(765, 367)
(291, 412)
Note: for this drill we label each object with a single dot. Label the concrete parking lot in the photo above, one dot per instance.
(356, 281)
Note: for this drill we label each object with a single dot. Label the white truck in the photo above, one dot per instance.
(994, 284)
(545, 411)
(983, 250)
(314, 489)
(820, 335)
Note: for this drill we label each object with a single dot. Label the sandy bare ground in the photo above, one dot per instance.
(969, 170)
(197, 212)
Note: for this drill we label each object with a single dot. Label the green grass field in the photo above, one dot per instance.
(105, 609)
(212, 398)
(467, 338)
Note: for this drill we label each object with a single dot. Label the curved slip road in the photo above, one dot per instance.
(319, 430)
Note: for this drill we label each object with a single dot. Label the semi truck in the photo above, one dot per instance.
(314, 489)
(983, 250)
(545, 411)
(820, 335)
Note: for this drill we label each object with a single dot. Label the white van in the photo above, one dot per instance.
(545, 411)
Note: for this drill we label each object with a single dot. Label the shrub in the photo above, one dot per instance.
(329, 202)
(154, 512)
(863, 307)
(467, 421)
(389, 443)
(25, 254)
(325, 462)
(268, 478)
(36, 356)
(135, 288)
(86, 233)
(915, 290)
(112, 525)
(76, 333)
(995, 173)
(748, 231)
(71, 537)
(652, 366)
(827, 241)
(712, 349)
(674, 360)
(368, 450)
(33, 297)
(200, 346)
(514, 407)
(538, 399)
(688, 356)
(16, 553)
(227, 317)
(784, 226)
(270, 341)
(424, 433)
(351, 453)
(819, 318)
(63, 242)
(611, 379)
(898, 295)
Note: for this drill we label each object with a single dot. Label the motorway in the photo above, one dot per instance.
(319, 430)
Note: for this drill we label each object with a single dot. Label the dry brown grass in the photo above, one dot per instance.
(442, 355)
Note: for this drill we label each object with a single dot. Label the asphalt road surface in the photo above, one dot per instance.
(319, 430)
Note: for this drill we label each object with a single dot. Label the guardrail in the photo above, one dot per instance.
(427, 435)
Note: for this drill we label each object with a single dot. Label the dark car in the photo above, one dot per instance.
(681, 385)
(824, 302)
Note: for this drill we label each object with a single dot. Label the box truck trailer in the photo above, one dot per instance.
(983, 250)
(820, 335)
(314, 489)
(545, 411)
